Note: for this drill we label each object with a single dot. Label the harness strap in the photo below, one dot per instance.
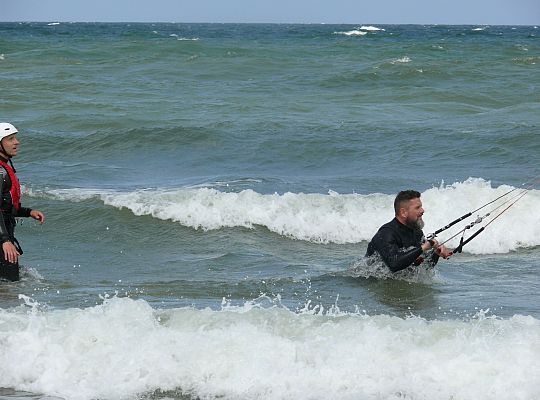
(15, 189)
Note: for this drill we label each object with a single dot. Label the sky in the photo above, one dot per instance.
(473, 12)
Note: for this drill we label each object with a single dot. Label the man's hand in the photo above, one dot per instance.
(10, 252)
(38, 216)
(429, 244)
(443, 251)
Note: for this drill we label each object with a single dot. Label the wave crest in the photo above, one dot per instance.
(328, 218)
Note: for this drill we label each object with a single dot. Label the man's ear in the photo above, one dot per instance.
(403, 212)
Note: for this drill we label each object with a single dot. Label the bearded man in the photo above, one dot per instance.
(401, 243)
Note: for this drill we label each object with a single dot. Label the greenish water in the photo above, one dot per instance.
(210, 190)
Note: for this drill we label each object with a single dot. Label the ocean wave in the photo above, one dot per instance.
(402, 60)
(110, 141)
(362, 31)
(354, 32)
(326, 218)
(370, 28)
(124, 348)
(178, 37)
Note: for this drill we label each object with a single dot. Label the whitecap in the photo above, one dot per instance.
(370, 28)
(53, 23)
(351, 33)
(402, 60)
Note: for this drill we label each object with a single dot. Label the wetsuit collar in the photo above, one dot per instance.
(403, 225)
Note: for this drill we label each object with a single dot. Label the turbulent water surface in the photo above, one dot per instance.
(210, 190)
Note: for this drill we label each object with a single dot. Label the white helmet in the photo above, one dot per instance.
(6, 130)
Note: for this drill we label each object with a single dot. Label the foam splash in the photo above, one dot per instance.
(375, 268)
(124, 347)
(328, 218)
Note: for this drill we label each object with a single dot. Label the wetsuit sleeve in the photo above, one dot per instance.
(433, 259)
(4, 234)
(396, 258)
(23, 212)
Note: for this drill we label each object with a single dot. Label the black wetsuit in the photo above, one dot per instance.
(398, 245)
(8, 213)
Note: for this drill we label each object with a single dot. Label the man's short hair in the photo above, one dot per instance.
(404, 196)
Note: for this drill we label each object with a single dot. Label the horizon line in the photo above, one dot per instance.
(264, 23)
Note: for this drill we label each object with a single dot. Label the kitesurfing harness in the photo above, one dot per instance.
(509, 202)
(15, 189)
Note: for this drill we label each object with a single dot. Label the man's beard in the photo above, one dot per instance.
(418, 224)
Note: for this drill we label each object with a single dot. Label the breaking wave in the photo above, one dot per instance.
(327, 218)
(124, 347)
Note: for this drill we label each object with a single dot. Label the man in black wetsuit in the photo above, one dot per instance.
(401, 243)
(10, 204)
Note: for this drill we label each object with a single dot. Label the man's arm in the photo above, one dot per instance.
(22, 212)
(8, 248)
(4, 234)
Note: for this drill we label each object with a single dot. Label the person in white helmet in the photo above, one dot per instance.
(10, 204)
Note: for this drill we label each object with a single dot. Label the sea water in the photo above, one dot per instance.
(210, 190)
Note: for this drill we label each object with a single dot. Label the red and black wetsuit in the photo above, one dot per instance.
(10, 208)
(398, 245)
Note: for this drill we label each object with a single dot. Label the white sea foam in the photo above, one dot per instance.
(182, 38)
(402, 60)
(53, 23)
(332, 217)
(354, 32)
(370, 28)
(125, 347)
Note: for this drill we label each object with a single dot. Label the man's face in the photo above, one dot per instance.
(413, 213)
(10, 144)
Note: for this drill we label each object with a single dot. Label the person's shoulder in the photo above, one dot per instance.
(393, 225)
(390, 227)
